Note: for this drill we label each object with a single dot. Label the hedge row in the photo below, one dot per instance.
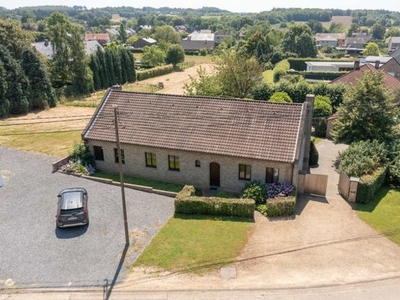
(187, 203)
(154, 72)
(369, 185)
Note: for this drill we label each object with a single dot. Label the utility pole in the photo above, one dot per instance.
(121, 176)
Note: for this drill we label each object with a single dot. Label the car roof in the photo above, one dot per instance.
(71, 198)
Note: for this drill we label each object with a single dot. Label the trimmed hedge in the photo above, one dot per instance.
(187, 203)
(281, 206)
(369, 185)
(154, 72)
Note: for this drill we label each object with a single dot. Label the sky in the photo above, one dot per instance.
(255, 6)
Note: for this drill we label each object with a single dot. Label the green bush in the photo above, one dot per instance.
(81, 154)
(278, 73)
(281, 206)
(154, 72)
(255, 190)
(362, 158)
(369, 185)
(215, 206)
(281, 97)
(320, 128)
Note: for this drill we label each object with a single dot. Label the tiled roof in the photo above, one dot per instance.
(352, 77)
(233, 127)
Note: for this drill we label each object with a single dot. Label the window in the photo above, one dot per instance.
(173, 162)
(98, 153)
(197, 163)
(122, 155)
(151, 160)
(244, 172)
(271, 175)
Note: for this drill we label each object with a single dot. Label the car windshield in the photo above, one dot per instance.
(71, 200)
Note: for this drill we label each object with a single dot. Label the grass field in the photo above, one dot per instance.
(195, 243)
(383, 213)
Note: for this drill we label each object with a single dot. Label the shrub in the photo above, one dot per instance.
(278, 73)
(320, 128)
(362, 158)
(280, 97)
(255, 190)
(279, 189)
(280, 207)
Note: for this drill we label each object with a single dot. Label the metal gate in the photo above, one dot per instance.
(315, 184)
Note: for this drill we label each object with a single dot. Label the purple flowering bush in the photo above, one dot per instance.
(279, 189)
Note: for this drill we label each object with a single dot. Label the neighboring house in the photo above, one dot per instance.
(372, 59)
(219, 36)
(189, 46)
(202, 35)
(329, 66)
(102, 38)
(202, 141)
(352, 77)
(142, 42)
(394, 43)
(46, 49)
(396, 54)
(358, 42)
(392, 67)
(112, 32)
(330, 39)
(181, 29)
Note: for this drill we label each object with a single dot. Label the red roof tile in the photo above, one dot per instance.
(352, 77)
(234, 127)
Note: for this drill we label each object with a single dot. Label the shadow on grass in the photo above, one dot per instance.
(371, 205)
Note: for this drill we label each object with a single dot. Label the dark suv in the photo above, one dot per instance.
(72, 207)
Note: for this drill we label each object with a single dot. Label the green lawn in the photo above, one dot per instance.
(196, 243)
(383, 213)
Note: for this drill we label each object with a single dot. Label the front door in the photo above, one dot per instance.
(214, 174)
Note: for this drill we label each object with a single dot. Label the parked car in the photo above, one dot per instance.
(72, 207)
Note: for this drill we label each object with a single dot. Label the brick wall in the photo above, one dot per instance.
(135, 166)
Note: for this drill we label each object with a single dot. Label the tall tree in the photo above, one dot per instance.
(13, 37)
(238, 73)
(122, 35)
(16, 95)
(41, 93)
(166, 34)
(69, 64)
(367, 112)
(299, 40)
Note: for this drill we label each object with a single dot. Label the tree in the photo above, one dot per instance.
(122, 35)
(41, 93)
(316, 26)
(153, 56)
(281, 97)
(175, 55)
(205, 84)
(237, 73)
(13, 37)
(69, 65)
(371, 49)
(16, 95)
(322, 106)
(367, 112)
(166, 34)
(259, 45)
(378, 31)
(300, 40)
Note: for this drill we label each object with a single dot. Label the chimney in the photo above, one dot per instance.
(356, 64)
(377, 64)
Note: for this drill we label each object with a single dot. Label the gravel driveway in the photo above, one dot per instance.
(34, 253)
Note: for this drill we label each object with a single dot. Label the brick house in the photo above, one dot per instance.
(207, 142)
